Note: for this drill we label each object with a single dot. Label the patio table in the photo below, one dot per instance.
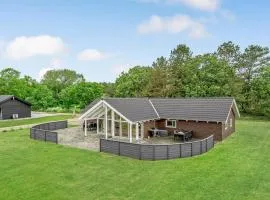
(179, 134)
(158, 132)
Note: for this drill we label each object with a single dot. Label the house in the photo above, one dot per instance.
(134, 117)
(12, 107)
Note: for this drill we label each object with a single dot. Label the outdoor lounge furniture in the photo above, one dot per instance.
(154, 132)
(183, 134)
(90, 126)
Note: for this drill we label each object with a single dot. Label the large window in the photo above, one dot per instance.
(171, 123)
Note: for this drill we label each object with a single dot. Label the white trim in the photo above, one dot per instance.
(120, 127)
(106, 122)
(130, 132)
(90, 110)
(97, 125)
(120, 114)
(237, 111)
(85, 127)
(117, 121)
(154, 108)
(142, 130)
(173, 120)
(229, 113)
(137, 131)
(99, 116)
(235, 105)
(112, 124)
(147, 120)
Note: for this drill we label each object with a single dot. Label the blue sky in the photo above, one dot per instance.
(101, 38)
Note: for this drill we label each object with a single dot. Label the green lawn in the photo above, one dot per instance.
(19, 122)
(238, 168)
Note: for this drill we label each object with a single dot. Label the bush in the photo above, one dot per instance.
(61, 110)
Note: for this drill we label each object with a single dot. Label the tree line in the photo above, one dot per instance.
(229, 71)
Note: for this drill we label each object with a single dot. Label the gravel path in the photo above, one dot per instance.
(75, 137)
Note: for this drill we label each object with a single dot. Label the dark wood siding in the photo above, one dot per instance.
(14, 106)
(200, 129)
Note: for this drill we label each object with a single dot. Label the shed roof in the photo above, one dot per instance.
(4, 98)
(197, 109)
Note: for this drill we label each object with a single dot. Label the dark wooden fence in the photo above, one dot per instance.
(45, 132)
(157, 151)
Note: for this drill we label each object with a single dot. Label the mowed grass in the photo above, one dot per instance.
(20, 122)
(237, 168)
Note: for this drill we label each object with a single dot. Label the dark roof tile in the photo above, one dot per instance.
(197, 109)
(135, 109)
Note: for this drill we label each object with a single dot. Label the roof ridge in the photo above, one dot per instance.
(225, 97)
(125, 98)
(191, 98)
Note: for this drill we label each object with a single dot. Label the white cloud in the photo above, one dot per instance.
(173, 25)
(118, 69)
(24, 47)
(2, 45)
(43, 71)
(56, 62)
(205, 5)
(90, 55)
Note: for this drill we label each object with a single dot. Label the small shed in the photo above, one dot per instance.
(12, 107)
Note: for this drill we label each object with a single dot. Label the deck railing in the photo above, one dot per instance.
(157, 151)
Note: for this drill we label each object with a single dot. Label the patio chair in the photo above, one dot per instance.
(188, 135)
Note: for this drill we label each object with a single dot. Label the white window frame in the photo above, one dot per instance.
(15, 116)
(231, 123)
(173, 123)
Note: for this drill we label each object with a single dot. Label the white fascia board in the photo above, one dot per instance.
(237, 110)
(91, 109)
(229, 113)
(120, 114)
(146, 120)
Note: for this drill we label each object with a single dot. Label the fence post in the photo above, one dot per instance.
(201, 147)
(167, 152)
(154, 157)
(180, 152)
(140, 156)
(119, 151)
(56, 137)
(45, 135)
(34, 134)
(100, 145)
(191, 149)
